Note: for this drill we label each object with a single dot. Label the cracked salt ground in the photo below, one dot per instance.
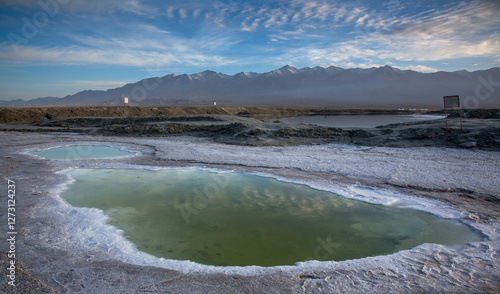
(107, 265)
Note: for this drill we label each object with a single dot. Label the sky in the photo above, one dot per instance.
(61, 47)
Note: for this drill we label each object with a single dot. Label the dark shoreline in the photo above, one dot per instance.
(38, 114)
(256, 126)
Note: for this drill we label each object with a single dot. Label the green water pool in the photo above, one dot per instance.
(240, 219)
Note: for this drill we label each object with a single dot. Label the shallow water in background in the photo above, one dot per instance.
(358, 121)
(81, 152)
(239, 219)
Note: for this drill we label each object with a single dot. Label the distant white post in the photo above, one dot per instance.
(215, 103)
(125, 100)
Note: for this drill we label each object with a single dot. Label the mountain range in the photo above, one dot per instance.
(288, 86)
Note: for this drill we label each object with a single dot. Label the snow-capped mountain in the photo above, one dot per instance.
(332, 86)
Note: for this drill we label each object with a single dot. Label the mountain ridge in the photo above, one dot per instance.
(384, 86)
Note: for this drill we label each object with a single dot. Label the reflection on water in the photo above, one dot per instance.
(358, 121)
(242, 219)
(81, 152)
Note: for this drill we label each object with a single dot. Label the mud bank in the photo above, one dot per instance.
(37, 114)
(63, 249)
(478, 131)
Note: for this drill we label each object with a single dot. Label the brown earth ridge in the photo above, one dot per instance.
(257, 126)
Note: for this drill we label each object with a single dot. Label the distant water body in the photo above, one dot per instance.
(358, 121)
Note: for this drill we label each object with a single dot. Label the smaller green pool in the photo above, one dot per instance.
(82, 152)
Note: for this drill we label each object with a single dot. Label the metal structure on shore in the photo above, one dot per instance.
(452, 102)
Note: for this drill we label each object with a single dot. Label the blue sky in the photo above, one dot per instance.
(60, 47)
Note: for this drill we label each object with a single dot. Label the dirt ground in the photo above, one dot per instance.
(253, 126)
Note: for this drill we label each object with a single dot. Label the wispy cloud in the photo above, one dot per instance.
(114, 52)
(170, 12)
(271, 16)
(95, 85)
(250, 25)
(183, 14)
(386, 50)
(95, 6)
(196, 13)
(464, 31)
(440, 49)
(465, 19)
(308, 32)
(421, 68)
